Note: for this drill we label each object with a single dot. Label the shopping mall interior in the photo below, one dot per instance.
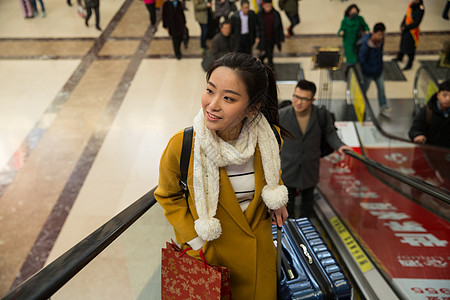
(86, 114)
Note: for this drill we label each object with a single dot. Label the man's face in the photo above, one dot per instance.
(302, 100)
(226, 29)
(267, 7)
(378, 36)
(444, 99)
(245, 8)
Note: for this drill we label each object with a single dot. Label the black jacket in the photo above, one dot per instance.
(407, 43)
(221, 45)
(173, 18)
(437, 131)
(236, 28)
(278, 29)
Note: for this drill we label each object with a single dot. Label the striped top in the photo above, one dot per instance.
(242, 178)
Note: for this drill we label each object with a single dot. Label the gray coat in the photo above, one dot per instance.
(300, 158)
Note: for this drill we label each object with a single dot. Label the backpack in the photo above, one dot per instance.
(186, 155)
(325, 148)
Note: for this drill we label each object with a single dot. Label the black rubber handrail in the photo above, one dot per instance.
(381, 130)
(375, 119)
(407, 179)
(51, 278)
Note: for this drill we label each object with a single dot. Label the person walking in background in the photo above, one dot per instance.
(175, 22)
(93, 5)
(201, 15)
(41, 2)
(270, 31)
(371, 61)
(290, 7)
(410, 32)
(446, 9)
(244, 28)
(432, 124)
(150, 4)
(235, 193)
(353, 27)
(222, 42)
(221, 9)
(300, 156)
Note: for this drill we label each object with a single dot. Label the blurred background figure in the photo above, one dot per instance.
(93, 5)
(270, 31)
(41, 2)
(353, 27)
(244, 28)
(290, 7)
(410, 32)
(175, 22)
(150, 4)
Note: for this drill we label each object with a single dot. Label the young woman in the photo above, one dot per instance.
(351, 26)
(235, 191)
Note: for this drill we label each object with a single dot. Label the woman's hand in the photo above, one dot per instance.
(279, 216)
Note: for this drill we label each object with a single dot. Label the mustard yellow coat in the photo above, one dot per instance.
(245, 247)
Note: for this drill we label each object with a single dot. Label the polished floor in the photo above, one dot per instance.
(85, 115)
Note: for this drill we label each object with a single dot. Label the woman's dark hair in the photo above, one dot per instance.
(259, 81)
(347, 11)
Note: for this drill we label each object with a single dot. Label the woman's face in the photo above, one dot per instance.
(353, 11)
(225, 103)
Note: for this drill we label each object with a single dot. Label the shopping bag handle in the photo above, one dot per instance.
(200, 252)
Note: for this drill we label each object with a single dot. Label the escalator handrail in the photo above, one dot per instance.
(416, 79)
(375, 119)
(409, 180)
(51, 278)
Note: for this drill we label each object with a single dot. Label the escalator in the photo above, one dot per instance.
(389, 225)
(392, 235)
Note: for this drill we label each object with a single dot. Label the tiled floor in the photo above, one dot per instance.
(85, 115)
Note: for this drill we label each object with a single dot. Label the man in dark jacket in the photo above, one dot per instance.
(270, 31)
(300, 157)
(222, 43)
(244, 28)
(370, 57)
(175, 22)
(432, 123)
(410, 32)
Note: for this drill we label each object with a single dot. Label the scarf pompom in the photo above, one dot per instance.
(208, 229)
(275, 197)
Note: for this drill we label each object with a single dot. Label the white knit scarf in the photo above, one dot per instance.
(211, 152)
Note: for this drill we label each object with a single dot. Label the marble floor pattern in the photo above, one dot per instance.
(85, 115)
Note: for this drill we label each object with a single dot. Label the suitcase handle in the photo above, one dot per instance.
(306, 253)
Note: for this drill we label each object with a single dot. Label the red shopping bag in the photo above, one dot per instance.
(185, 277)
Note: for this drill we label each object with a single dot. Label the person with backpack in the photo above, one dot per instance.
(353, 27)
(371, 60)
(432, 124)
(233, 191)
(300, 157)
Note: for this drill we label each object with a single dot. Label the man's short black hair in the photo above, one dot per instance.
(379, 27)
(445, 86)
(245, 2)
(225, 22)
(307, 86)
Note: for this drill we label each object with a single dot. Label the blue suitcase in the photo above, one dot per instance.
(308, 268)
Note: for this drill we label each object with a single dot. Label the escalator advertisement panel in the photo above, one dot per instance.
(407, 241)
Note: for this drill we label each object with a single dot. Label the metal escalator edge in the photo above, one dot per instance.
(371, 283)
